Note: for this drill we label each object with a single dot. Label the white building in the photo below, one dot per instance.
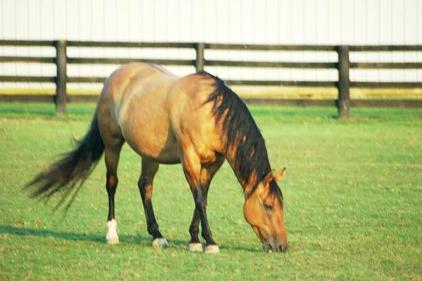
(355, 22)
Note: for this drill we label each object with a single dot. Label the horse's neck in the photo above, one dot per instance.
(248, 180)
(245, 151)
(231, 158)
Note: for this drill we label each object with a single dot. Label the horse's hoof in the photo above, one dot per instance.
(112, 241)
(112, 237)
(195, 247)
(160, 243)
(212, 249)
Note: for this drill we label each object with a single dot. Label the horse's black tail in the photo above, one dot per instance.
(67, 175)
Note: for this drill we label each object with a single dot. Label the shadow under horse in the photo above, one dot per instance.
(195, 120)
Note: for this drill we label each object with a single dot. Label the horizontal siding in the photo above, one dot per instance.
(236, 21)
(248, 21)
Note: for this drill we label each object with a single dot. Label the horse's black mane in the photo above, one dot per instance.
(243, 133)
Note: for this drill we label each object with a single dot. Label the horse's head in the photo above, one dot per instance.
(263, 209)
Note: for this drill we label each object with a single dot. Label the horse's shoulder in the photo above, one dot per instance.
(197, 87)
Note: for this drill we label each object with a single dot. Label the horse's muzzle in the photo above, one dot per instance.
(276, 247)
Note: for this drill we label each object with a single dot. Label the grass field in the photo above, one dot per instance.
(353, 203)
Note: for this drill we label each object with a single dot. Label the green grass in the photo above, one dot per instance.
(353, 203)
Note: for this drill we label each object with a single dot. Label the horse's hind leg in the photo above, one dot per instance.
(111, 157)
(149, 169)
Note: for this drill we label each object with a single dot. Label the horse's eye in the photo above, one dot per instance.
(268, 207)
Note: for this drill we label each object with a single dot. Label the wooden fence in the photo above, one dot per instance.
(343, 66)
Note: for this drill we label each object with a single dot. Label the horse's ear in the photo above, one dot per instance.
(268, 178)
(262, 191)
(278, 176)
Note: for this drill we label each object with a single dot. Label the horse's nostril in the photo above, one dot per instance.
(282, 248)
(266, 247)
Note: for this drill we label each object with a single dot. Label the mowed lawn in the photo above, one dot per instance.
(353, 203)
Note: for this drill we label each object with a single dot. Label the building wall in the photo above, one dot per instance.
(235, 21)
(248, 21)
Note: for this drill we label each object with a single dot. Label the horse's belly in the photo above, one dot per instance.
(166, 153)
(147, 130)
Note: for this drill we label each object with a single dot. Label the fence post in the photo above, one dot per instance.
(60, 98)
(343, 86)
(200, 61)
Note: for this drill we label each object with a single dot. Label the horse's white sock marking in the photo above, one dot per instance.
(212, 249)
(112, 237)
(195, 247)
(160, 243)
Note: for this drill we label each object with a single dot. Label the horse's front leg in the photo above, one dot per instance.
(207, 173)
(199, 178)
(194, 244)
(200, 198)
(149, 169)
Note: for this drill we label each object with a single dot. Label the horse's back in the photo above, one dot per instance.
(133, 78)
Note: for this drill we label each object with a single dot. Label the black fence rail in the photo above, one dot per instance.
(342, 66)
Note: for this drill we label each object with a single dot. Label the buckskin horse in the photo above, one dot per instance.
(195, 120)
